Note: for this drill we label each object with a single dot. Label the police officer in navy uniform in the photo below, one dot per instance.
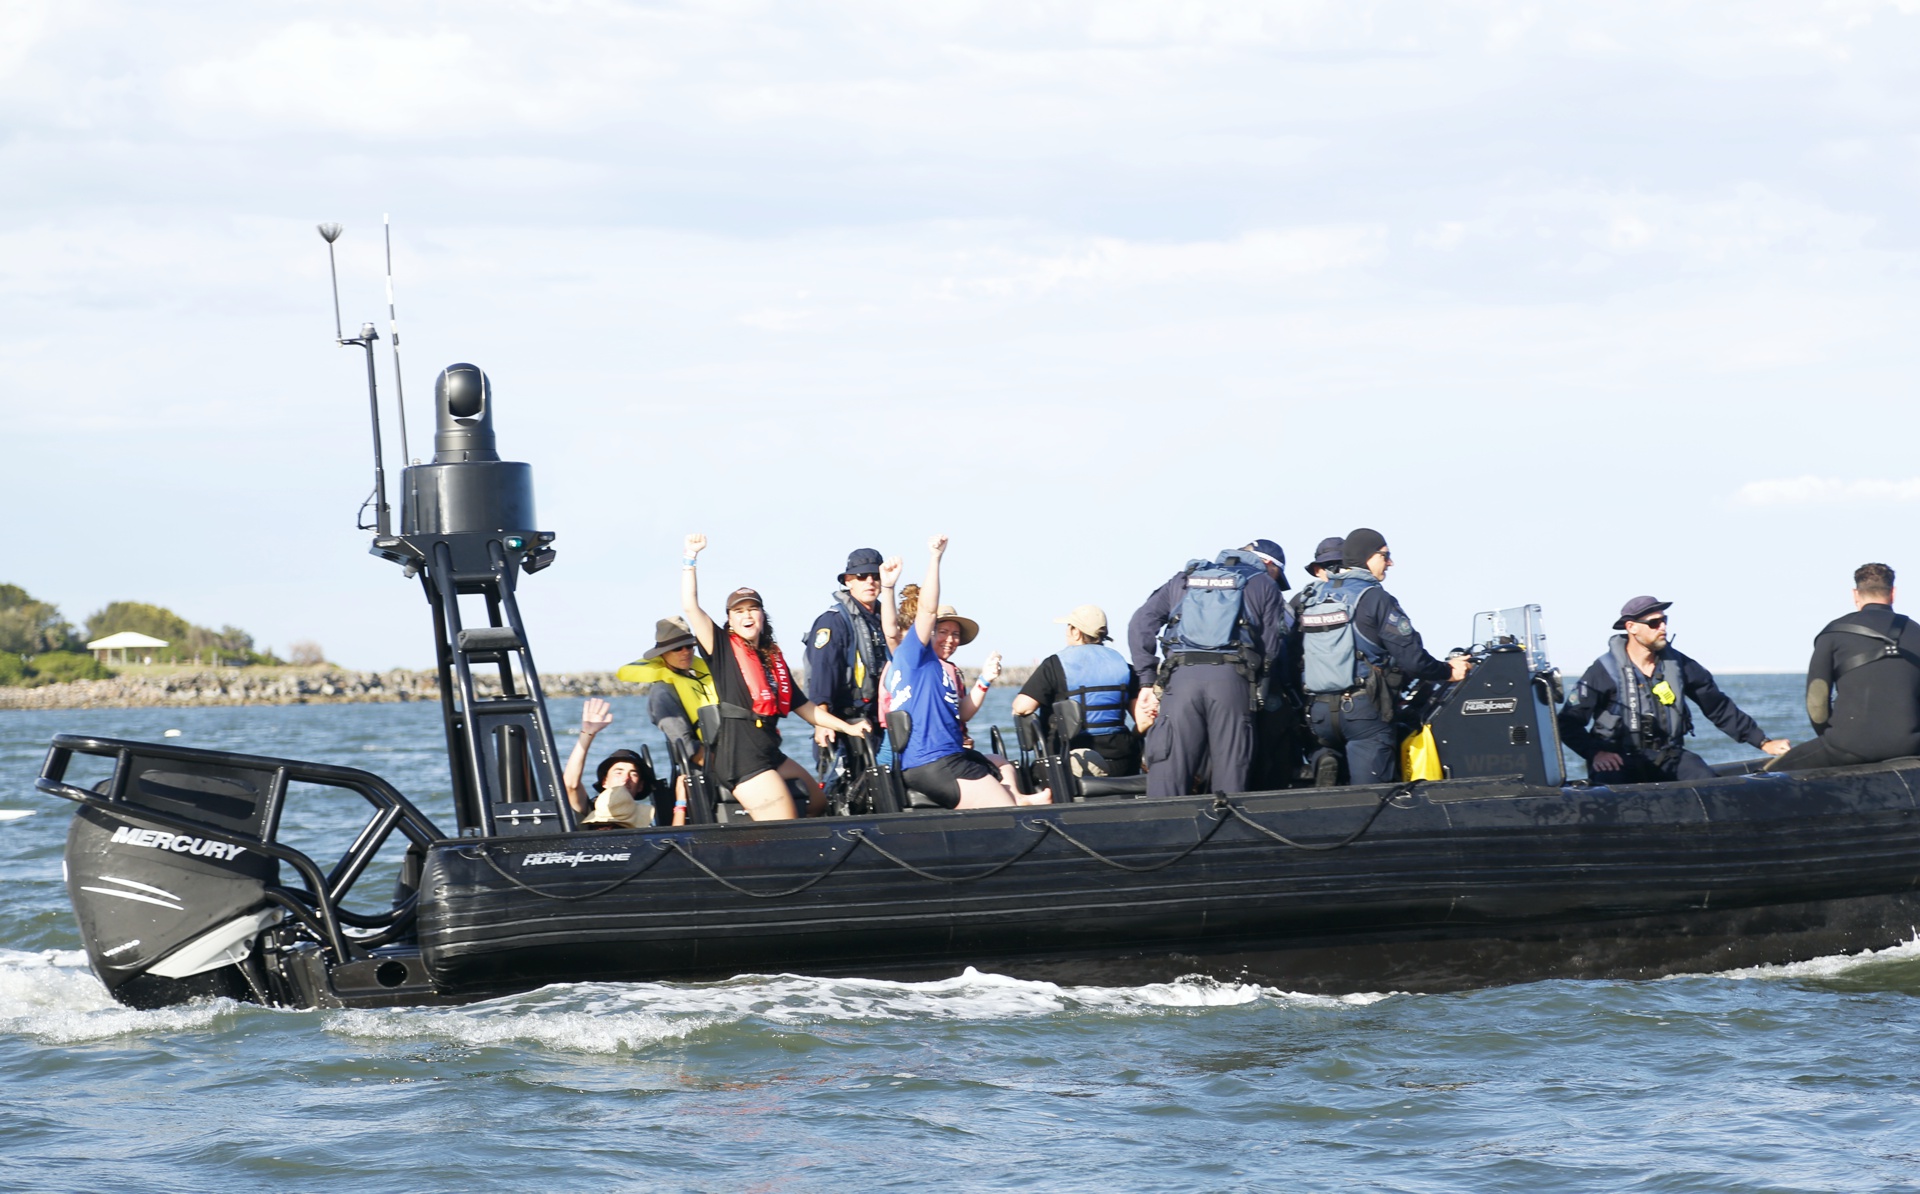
(1639, 737)
(846, 652)
(1327, 557)
(1358, 648)
(1220, 625)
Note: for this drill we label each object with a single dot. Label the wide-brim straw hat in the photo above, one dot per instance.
(969, 629)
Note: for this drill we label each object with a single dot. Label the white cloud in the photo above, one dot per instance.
(1111, 262)
(1826, 491)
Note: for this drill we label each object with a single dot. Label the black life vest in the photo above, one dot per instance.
(1649, 722)
(867, 655)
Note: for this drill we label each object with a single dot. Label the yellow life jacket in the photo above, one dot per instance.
(695, 692)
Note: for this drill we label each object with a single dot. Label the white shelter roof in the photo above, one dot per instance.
(126, 638)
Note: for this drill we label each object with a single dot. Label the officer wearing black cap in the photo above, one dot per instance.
(1636, 697)
(1221, 624)
(1359, 648)
(847, 649)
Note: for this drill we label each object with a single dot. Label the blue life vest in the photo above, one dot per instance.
(1098, 678)
(1211, 618)
(1334, 655)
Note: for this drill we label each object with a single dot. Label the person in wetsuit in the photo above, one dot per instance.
(1863, 683)
(1639, 737)
(756, 689)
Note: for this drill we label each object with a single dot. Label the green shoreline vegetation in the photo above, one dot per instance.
(39, 646)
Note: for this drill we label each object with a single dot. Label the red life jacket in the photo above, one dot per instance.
(769, 700)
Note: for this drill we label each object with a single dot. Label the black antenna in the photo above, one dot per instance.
(393, 329)
(382, 517)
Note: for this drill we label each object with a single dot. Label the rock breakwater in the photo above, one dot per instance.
(279, 686)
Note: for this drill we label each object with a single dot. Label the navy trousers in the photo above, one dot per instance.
(1203, 717)
(1351, 723)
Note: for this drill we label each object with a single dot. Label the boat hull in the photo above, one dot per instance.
(1452, 885)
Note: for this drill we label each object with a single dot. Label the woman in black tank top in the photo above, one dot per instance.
(746, 755)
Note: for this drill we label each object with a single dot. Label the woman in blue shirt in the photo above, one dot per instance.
(936, 759)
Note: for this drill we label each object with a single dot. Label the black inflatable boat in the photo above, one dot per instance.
(1500, 872)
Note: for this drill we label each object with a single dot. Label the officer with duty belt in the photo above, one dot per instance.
(1358, 648)
(1636, 697)
(846, 652)
(1225, 624)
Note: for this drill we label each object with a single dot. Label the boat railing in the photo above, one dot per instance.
(238, 799)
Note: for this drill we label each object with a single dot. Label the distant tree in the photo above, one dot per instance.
(28, 627)
(306, 653)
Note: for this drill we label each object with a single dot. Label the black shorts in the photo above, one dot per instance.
(744, 751)
(941, 778)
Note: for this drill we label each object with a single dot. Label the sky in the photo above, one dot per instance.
(1571, 302)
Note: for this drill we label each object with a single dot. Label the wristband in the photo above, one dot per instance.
(686, 561)
(983, 684)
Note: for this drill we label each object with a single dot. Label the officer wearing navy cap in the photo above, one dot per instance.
(1636, 697)
(847, 649)
(1220, 626)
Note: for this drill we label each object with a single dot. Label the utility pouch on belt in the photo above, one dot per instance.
(1381, 690)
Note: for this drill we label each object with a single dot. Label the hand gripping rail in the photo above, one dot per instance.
(318, 906)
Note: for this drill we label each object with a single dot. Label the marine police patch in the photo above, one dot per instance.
(822, 637)
(1400, 624)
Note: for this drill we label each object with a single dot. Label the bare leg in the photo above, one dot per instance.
(985, 793)
(816, 795)
(1007, 777)
(765, 797)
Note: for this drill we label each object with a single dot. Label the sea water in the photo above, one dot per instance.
(1803, 1077)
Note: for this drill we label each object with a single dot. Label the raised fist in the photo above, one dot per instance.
(696, 543)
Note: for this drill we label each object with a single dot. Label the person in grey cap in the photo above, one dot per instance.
(846, 654)
(1635, 697)
(1098, 678)
(1358, 649)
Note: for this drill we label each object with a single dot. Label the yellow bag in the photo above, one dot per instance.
(1420, 757)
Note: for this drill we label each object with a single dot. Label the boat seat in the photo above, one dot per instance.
(899, 731)
(1069, 719)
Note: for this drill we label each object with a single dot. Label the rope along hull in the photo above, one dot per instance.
(1432, 887)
